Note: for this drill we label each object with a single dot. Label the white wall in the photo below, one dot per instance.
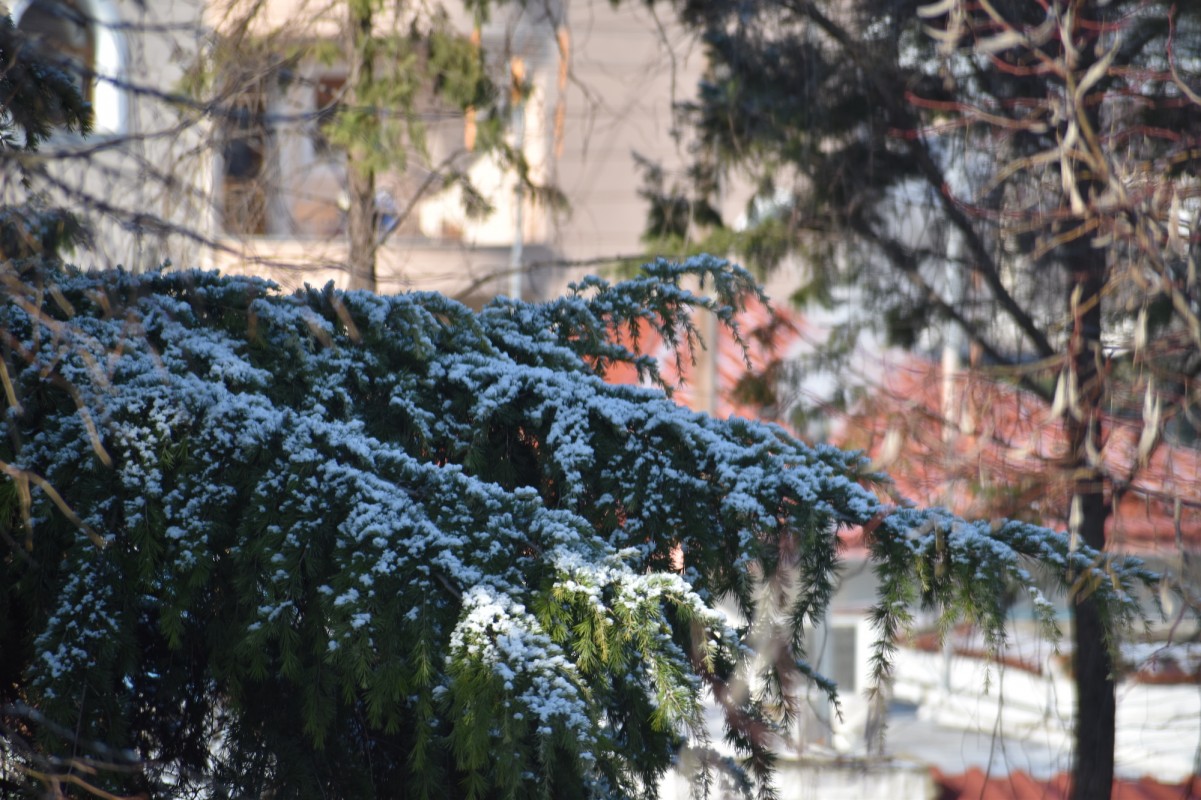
(1158, 726)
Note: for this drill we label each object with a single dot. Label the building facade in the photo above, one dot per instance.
(203, 160)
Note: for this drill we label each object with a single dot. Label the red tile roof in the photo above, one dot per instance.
(977, 785)
(1003, 459)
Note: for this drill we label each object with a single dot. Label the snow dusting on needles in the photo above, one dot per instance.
(446, 522)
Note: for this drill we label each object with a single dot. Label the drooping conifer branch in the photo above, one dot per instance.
(386, 546)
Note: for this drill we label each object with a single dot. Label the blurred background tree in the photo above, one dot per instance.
(1012, 182)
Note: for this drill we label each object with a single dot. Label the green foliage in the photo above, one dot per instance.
(346, 545)
(672, 214)
(35, 95)
(458, 69)
(32, 231)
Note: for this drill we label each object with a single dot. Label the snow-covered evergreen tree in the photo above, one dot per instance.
(345, 545)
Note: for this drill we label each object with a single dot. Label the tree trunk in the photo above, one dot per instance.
(1096, 706)
(360, 175)
(1093, 669)
(1092, 662)
(361, 229)
(1096, 709)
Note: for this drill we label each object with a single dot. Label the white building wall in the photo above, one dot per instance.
(1158, 726)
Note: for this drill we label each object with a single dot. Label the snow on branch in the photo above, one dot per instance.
(364, 541)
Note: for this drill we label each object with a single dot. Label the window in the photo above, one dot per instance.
(271, 182)
(836, 649)
(83, 37)
(244, 190)
(327, 99)
(844, 658)
(64, 35)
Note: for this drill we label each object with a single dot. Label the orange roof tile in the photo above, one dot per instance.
(1003, 457)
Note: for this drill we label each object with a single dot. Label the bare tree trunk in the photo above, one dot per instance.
(360, 175)
(1096, 706)
(1092, 662)
(1093, 668)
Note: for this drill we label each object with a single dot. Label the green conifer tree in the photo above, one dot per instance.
(336, 544)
